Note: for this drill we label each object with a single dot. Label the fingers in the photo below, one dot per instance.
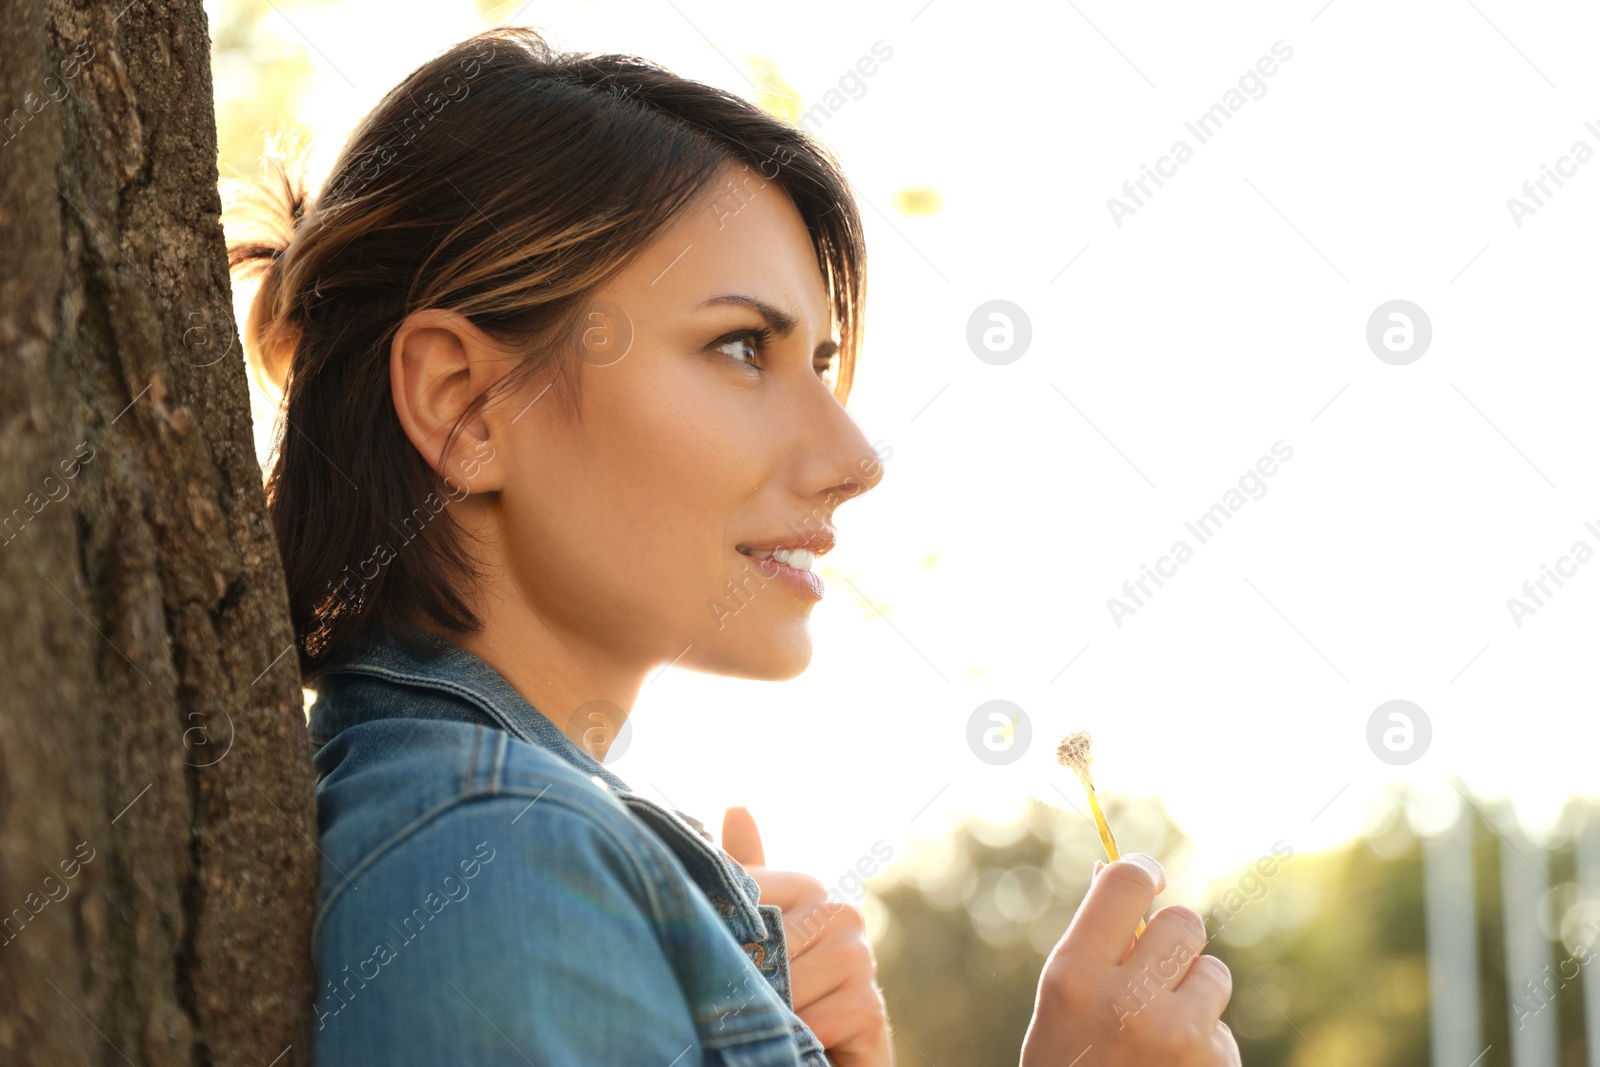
(842, 953)
(790, 890)
(1133, 937)
(1208, 986)
(815, 918)
(1118, 897)
(1171, 943)
(741, 839)
(834, 990)
(1167, 964)
(1165, 996)
(850, 1017)
(1227, 1049)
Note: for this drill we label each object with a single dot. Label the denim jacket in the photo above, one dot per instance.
(490, 894)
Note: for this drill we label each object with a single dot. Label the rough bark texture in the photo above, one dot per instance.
(156, 877)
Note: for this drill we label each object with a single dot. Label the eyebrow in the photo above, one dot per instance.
(781, 321)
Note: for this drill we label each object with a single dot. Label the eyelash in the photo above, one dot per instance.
(760, 336)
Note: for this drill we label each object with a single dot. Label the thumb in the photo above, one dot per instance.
(741, 839)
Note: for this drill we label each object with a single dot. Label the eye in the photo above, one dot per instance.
(755, 340)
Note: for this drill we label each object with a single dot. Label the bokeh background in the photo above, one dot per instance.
(1412, 890)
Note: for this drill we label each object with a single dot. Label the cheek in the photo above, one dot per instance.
(640, 486)
(671, 476)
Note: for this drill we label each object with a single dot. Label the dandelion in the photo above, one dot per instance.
(1073, 753)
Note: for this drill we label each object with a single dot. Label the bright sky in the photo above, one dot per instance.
(1168, 354)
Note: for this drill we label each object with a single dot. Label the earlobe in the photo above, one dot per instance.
(439, 363)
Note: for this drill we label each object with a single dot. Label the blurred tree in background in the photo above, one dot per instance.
(1328, 951)
(1331, 963)
(262, 70)
(965, 923)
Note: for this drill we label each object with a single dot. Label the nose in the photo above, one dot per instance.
(859, 462)
(868, 472)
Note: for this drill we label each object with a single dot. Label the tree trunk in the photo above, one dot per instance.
(157, 865)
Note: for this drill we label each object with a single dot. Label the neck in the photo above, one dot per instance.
(587, 694)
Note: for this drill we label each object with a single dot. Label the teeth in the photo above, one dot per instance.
(798, 558)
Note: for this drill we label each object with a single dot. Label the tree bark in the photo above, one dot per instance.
(157, 864)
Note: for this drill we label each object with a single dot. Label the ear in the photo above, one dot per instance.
(438, 364)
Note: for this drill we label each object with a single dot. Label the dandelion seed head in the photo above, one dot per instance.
(1073, 753)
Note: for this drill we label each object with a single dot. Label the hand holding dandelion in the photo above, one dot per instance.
(1180, 1019)
(1073, 753)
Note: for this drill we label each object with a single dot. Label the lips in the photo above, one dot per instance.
(793, 570)
(816, 541)
(789, 557)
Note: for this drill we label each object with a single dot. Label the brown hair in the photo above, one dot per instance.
(505, 181)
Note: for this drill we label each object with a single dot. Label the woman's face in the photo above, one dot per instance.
(623, 528)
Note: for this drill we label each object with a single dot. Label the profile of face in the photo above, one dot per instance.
(708, 428)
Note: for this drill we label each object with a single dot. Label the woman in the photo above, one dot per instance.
(562, 404)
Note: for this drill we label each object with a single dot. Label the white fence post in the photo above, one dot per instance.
(1452, 932)
(1586, 846)
(1530, 979)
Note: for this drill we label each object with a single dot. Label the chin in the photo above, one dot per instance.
(772, 656)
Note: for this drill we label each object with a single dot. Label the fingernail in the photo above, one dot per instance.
(1097, 865)
(1158, 878)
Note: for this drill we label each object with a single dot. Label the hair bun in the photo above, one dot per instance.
(260, 220)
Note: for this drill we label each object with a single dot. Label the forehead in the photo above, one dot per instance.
(743, 235)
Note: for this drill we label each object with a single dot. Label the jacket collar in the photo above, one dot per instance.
(439, 664)
(435, 663)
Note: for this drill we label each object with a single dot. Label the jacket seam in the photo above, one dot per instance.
(468, 693)
(497, 766)
(389, 843)
(753, 921)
